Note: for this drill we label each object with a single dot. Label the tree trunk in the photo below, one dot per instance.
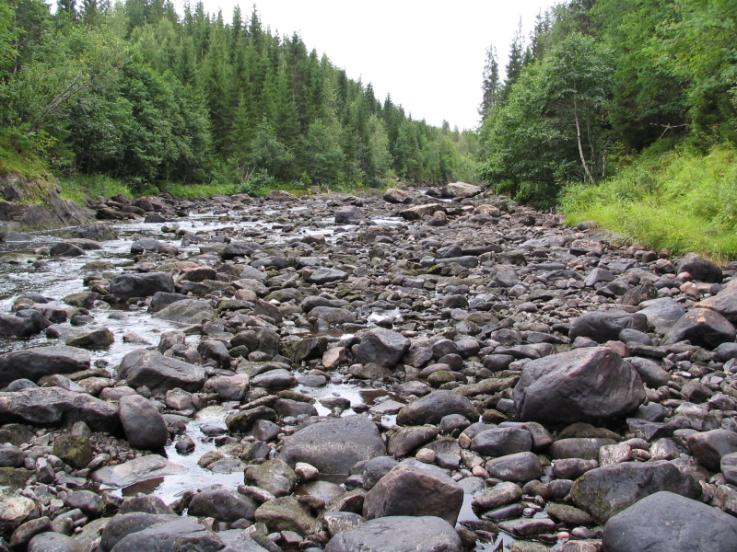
(585, 165)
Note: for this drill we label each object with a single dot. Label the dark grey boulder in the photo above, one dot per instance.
(398, 534)
(237, 249)
(589, 384)
(414, 489)
(129, 285)
(710, 446)
(222, 504)
(18, 326)
(605, 491)
(66, 249)
(606, 325)
(160, 373)
(53, 542)
(667, 522)
(334, 446)
(325, 275)
(381, 346)
(700, 269)
(37, 362)
(54, 406)
(143, 424)
(519, 467)
(96, 339)
(662, 313)
(431, 408)
(179, 534)
(500, 441)
(703, 327)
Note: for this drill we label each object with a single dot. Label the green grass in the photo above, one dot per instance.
(81, 188)
(17, 157)
(681, 200)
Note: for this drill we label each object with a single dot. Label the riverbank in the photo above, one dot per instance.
(358, 371)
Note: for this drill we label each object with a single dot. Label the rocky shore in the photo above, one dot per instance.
(429, 371)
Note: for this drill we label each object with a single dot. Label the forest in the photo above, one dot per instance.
(623, 112)
(139, 93)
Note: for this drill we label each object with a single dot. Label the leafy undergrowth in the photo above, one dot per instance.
(81, 188)
(681, 200)
(16, 157)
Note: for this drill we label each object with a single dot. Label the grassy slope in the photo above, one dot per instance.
(680, 200)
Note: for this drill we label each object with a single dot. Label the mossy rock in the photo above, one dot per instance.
(75, 450)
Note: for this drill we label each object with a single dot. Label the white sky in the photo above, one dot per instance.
(428, 54)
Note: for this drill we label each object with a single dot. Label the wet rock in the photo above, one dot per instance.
(519, 467)
(243, 420)
(286, 514)
(66, 249)
(187, 311)
(276, 476)
(143, 425)
(96, 340)
(501, 441)
(37, 362)
(606, 325)
(700, 269)
(381, 346)
(221, 504)
(431, 408)
(128, 286)
(662, 313)
(143, 468)
(159, 373)
(398, 534)
(53, 406)
(580, 385)
(322, 276)
(178, 534)
(500, 494)
(89, 502)
(404, 440)
(16, 326)
(605, 491)
(667, 522)
(348, 215)
(334, 446)
(414, 489)
(237, 249)
(703, 327)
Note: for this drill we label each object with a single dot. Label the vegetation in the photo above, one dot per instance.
(681, 200)
(136, 93)
(639, 94)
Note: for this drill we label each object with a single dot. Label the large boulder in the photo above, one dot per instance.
(603, 326)
(703, 327)
(187, 311)
(381, 346)
(143, 424)
(710, 446)
(37, 362)
(334, 446)
(605, 491)
(54, 406)
(667, 522)
(724, 302)
(414, 489)
(398, 534)
(460, 190)
(159, 373)
(590, 384)
(662, 313)
(700, 269)
(129, 285)
(19, 326)
(222, 504)
(432, 408)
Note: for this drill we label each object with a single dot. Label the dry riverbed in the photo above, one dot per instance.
(431, 371)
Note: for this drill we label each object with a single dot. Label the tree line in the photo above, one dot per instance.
(599, 81)
(139, 92)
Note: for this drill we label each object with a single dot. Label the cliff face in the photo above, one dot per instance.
(36, 204)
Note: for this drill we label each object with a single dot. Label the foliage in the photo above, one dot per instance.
(604, 78)
(680, 199)
(137, 93)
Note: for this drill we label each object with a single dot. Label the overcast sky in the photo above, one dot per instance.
(428, 54)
